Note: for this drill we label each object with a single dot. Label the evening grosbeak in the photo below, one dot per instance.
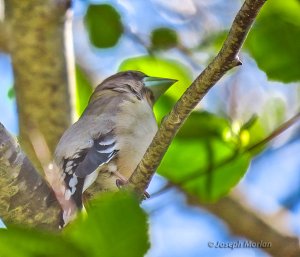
(103, 148)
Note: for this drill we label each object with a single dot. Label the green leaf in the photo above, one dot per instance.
(183, 158)
(83, 91)
(104, 25)
(115, 226)
(203, 159)
(275, 38)
(164, 38)
(219, 180)
(21, 242)
(209, 174)
(213, 41)
(160, 67)
(252, 132)
(204, 124)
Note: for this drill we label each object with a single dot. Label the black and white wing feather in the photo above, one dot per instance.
(102, 151)
(79, 169)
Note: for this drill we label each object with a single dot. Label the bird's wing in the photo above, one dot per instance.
(102, 151)
(86, 161)
(74, 185)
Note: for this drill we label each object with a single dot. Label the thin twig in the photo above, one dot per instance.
(275, 133)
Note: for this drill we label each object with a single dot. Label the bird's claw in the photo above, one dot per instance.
(121, 183)
(146, 195)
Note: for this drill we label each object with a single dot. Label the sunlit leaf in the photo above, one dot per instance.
(275, 38)
(83, 91)
(104, 25)
(273, 115)
(164, 38)
(203, 124)
(115, 226)
(183, 159)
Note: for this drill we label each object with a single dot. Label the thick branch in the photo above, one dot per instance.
(244, 222)
(3, 29)
(36, 41)
(3, 38)
(25, 197)
(223, 62)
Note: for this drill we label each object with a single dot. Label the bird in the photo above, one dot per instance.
(101, 150)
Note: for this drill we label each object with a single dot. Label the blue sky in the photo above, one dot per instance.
(7, 106)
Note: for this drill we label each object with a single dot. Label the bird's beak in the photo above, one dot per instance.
(158, 86)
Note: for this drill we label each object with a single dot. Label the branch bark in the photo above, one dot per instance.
(3, 38)
(25, 197)
(3, 29)
(36, 41)
(244, 222)
(226, 59)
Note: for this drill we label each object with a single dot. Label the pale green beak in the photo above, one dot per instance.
(158, 86)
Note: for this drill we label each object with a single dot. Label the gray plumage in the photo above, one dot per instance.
(109, 139)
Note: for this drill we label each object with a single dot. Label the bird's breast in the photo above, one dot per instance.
(135, 127)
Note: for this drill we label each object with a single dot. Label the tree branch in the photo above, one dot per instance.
(226, 59)
(244, 222)
(283, 127)
(25, 197)
(36, 41)
(3, 38)
(3, 29)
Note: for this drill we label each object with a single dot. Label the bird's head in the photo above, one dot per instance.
(138, 84)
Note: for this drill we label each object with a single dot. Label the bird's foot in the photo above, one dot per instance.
(121, 183)
(146, 195)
